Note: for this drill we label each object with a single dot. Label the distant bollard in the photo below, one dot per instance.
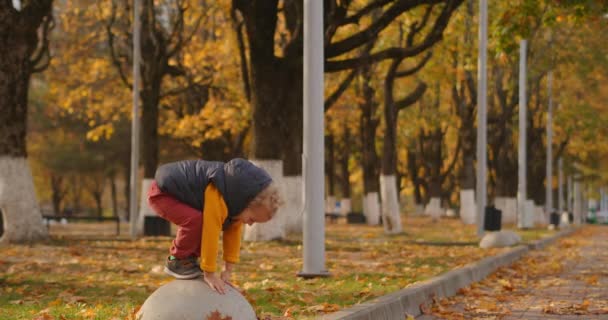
(156, 226)
(493, 219)
(355, 218)
(554, 219)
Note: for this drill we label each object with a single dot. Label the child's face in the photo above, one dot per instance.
(255, 214)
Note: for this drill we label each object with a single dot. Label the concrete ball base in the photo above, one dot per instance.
(194, 300)
(499, 239)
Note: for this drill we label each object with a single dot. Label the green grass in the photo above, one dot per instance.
(108, 279)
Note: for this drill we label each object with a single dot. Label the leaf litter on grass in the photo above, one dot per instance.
(111, 277)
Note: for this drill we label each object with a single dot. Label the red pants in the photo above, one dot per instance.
(189, 221)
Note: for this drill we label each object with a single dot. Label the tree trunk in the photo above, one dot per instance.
(98, 204)
(368, 125)
(343, 159)
(126, 164)
(536, 149)
(412, 166)
(76, 194)
(114, 194)
(436, 163)
(330, 161)
(276, 87)
(504, 155)
(391, 215)
(277, 111)
(19, 40)
(96, 190)
(57, 193)
(149, 126)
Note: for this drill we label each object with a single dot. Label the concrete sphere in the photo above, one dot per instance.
(194, 300)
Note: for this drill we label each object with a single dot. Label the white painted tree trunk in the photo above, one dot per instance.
(467, 206)
(508, 206)
(391, 218)
(144, 208)
(275, 228)
(371, 208)
(19, 207)
(434, 209)
(345, 206)
(528, 215)
(539, 215)
(564, 219)
(293, 208)
(330, 204)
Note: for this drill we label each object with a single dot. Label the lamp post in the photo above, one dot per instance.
(313, 246)
(522, 219)
(549, 164)
(133, 212)
(482, 99)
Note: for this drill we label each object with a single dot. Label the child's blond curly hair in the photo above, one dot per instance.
(270, 198)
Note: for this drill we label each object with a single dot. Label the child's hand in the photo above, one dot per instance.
(214, 282)
(227, 277)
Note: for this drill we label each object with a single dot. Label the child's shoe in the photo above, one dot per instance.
(186, 268)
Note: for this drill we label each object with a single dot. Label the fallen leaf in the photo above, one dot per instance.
(592, 280)
(44, 316)
(506, 284)
(324, 307)
(216, 315)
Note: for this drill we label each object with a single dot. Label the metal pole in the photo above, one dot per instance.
(560, 185)
(313, 155)
(601, 208)
(569, 196)
(578, 199)
(135, 121)
(521, 156)
(482, 97)
(549, 174)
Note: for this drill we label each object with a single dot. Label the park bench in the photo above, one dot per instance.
(51, 217)
(351, 217)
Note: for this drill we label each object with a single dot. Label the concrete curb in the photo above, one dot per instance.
(408, 301)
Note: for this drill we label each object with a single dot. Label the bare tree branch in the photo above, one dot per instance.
(113, 54)
(394, 53)
(43, 51)
(181, 40)
(294, 12)
(361, 13)
(415, 69)
(395, 10)
(238, 28)
(453, 162)
(412, 97)
(340, 90)
(416, 27)
(562, 147)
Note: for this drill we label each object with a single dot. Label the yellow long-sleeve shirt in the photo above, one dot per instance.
(215, 213)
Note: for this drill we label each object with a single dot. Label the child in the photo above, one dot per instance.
(204, 198)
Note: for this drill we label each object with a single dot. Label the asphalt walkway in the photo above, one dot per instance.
(568, 280)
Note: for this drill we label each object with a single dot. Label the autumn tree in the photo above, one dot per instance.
(273, 64)
(23, 51)
(167, 30)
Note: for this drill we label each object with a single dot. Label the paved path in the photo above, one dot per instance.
(568, 280)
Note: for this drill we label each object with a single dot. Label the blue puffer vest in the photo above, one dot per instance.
(238, 180)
